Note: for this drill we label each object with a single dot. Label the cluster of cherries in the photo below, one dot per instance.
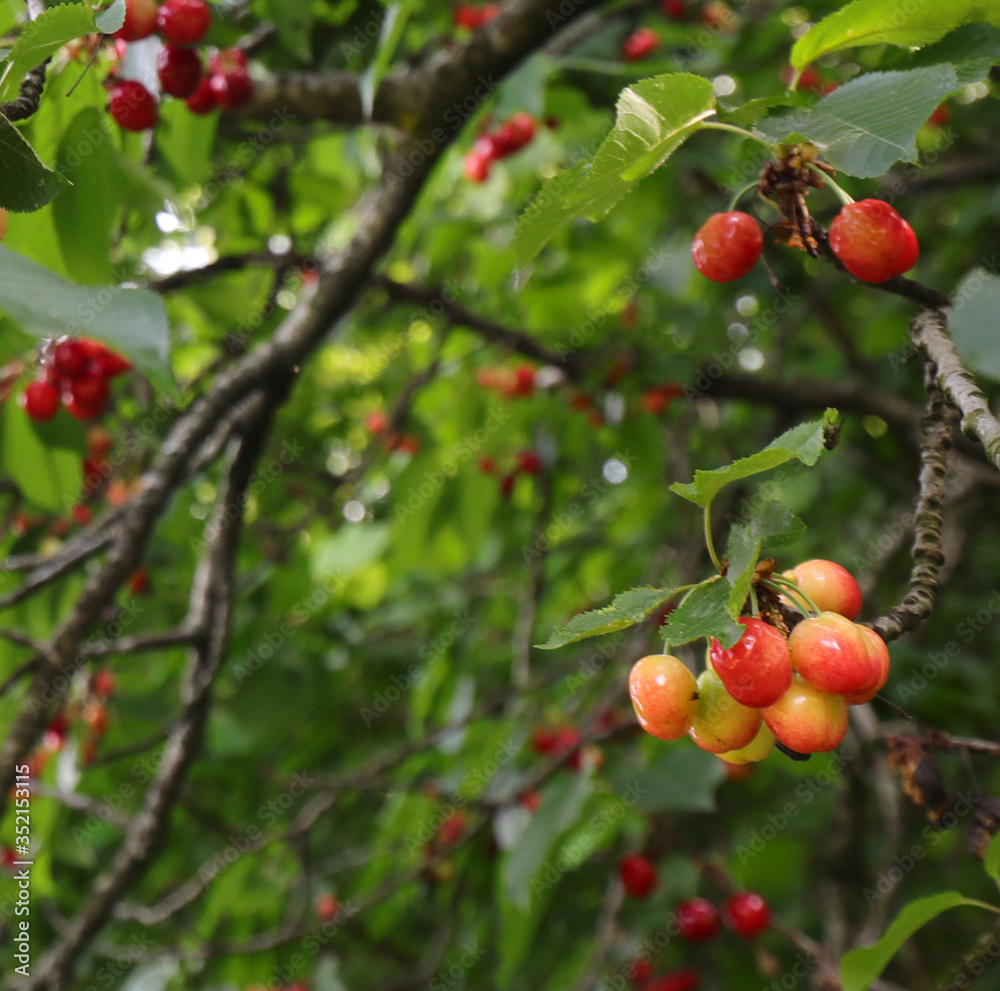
(181, 24)
(91, 713)
(870, 238)
(643, 42)
(76, 372)
(697, 920)
(471, 17)
(491, 146)
(769, 687)
(377, 423)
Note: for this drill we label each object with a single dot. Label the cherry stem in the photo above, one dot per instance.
(787, 587)
(709, 543)
(718, 125)
(843, 196)
(754, 607)
(739, 194)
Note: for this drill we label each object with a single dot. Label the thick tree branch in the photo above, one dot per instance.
(929, 333)
(928, 556)
(30, 95)
(211, 604)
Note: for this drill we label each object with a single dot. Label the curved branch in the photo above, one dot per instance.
(492, 331)
(470, 71)
(928, 557)
(212, 595)
(929, 333)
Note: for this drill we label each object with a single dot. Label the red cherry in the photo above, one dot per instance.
(69, 358)
(698, 919)
(227, 60)
(95, 715)
(524, 380)
(873, 241)
(376, 422)
(940, 117)
(748, 914)
(659, 398)
(757, 669)
(685, 979)
(140, 20)
(664, 695)
(831, 588)
(138, 581)
(82, 514)
(179, 70)
(507, 485)
(133, 106)
(487, 465)
(638, 875)
(676, 10)
(544, 740)
(83, 411)
(89, 389)
(102, 684)
(472, 18)
(639, 971)
(203, 101)
(183, 22)
(477, 166)
(530, 800)
(833, 655)
(529, 462)
(640, 44)
(727, 246)
(451, 830)
(234, 89)
(111, 364)
(326, 907)
(522, 128)
(40, 400)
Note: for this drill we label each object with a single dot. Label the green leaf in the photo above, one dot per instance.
(753, 110)
(773, 525)
(43, 37)
(560, 810)
(28, 184)
(866, 125)
(972, 322)
(654, 118)
(84, 214)
(743, 551)
(293, 20)
(680, 779)
(111, 18)
(49, 475)
(804, 442)
(626, 610)
(132, 321)
(859, 968)
(882, 22)
(393, 25)
(705, 612)
(991, 862)
(971, 50)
